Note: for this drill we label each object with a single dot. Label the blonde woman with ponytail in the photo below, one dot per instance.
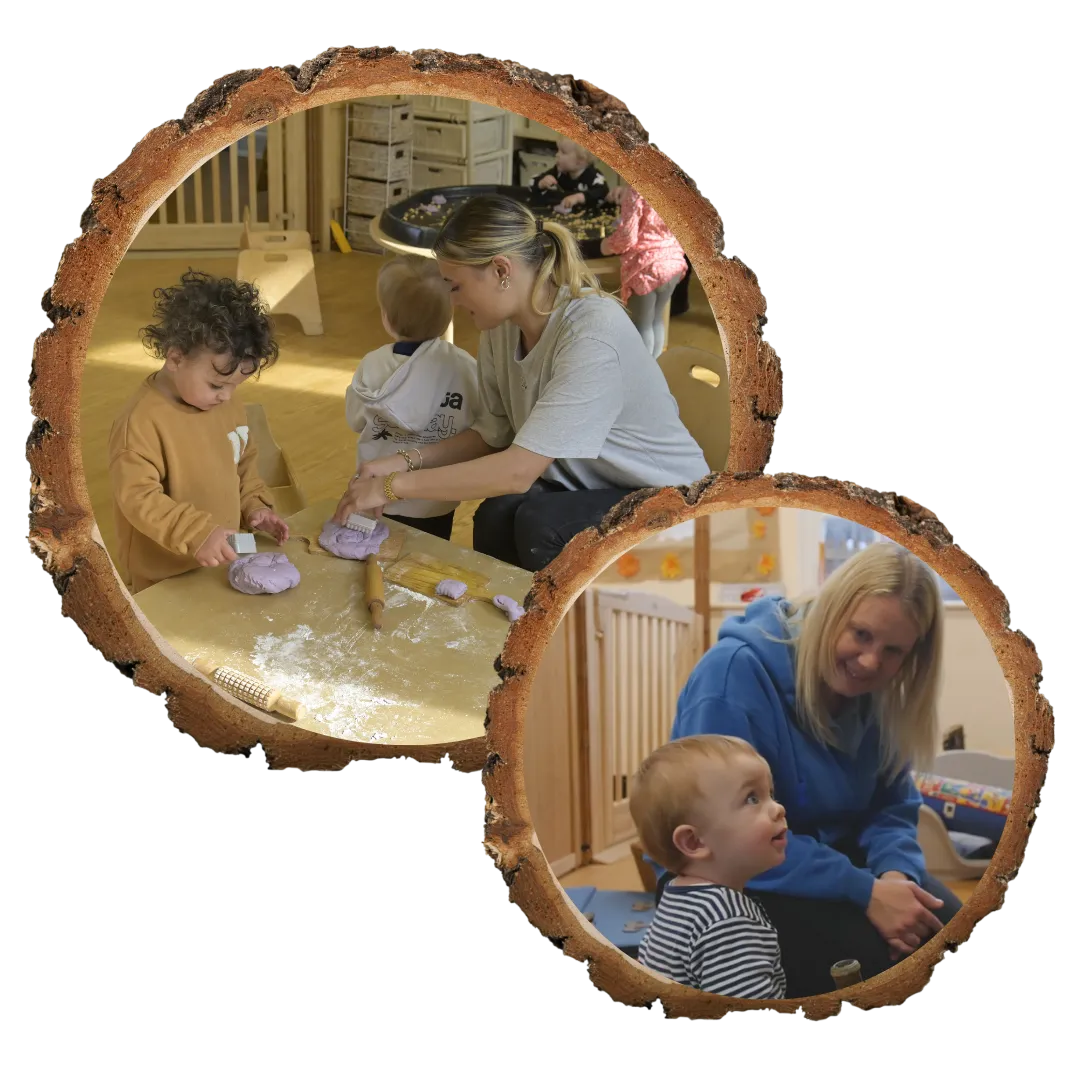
(838, 695)
(573, 412)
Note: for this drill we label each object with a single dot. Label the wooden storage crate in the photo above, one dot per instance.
(455, 141)
(390, 123)
(378, 161)
(495, 170)
(449, 108)
(372, 196)
(426, 174)
(358, 232)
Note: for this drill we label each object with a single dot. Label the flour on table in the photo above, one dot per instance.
(308, 666)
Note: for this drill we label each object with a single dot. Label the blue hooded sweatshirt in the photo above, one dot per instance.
(745, 686)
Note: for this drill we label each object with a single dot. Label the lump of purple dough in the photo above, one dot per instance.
(451, 588)
(560, 209)
(429, 208)
(348, 543)
(267, 572)
(511, 607)
(438, 200)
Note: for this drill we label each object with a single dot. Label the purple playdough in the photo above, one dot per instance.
(560, 209)
(266, 572)
(511, 607)
(451, 588)
(438, 200)
(350, 544)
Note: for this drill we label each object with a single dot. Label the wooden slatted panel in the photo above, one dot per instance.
(645, 650)
(252, 179)
(215, 186)
(200, 217)
(181, 214)
(234, 184)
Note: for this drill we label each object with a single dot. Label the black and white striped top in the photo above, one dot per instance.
(715, 939)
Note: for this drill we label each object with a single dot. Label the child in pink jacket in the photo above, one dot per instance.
(652, 264)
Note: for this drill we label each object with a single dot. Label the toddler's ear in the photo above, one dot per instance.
(173, 357)
(688, 843)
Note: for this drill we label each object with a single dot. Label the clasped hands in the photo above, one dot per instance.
(902, 913)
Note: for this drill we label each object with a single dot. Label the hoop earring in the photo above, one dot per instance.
(504, 283)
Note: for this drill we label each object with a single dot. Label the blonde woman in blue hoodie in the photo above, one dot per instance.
(838, 695)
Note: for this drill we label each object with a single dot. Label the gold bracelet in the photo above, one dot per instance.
(419, 457)
(388, 488)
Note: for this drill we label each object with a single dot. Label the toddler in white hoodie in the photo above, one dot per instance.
(418, 390)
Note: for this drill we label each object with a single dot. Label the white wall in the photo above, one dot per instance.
(974, 691)
(800, 550)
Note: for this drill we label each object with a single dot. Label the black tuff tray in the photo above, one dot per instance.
(406, 223)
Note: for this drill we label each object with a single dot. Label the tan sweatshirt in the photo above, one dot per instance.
(177, 474)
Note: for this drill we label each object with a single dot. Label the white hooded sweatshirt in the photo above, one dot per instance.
(397, 402)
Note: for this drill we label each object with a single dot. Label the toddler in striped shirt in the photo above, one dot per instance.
(704, 810)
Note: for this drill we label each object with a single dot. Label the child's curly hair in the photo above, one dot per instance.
(205, 312)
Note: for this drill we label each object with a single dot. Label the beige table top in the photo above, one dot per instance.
(423, 678)
(608, 265)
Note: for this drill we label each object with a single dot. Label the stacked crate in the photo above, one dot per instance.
(457, 142)
(378, 163)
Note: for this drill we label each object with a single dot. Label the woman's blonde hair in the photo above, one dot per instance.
(492, 225)
(666, 791)
(908, 707)
(414, 297)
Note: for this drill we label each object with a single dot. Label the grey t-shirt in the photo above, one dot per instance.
(589, 395)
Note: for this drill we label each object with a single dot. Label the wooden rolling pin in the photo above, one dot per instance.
(846, 973)
(250, 691)
(376, 597)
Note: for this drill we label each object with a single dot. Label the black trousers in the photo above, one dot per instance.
(815, 934)
(680, 298)
(440, 526)
(529, 530)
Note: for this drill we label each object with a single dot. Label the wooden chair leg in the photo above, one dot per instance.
(645, 871)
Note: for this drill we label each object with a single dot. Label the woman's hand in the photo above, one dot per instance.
(364, 495)
(382, 466)
(573, 200)
(902, 913)
(546, 182)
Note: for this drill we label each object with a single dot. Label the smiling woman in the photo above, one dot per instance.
(838, 695)
(573, 413)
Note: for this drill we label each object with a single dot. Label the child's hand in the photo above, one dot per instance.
(546, 182)
(573, 200)
(216, 549)
(615, 194)
(268, 522)
(605, 247)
